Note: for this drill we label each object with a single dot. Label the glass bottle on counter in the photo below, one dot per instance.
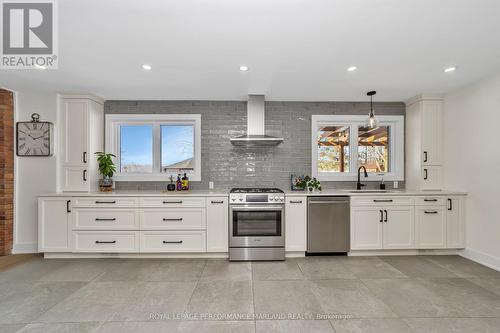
(185, 183)
(178, 183)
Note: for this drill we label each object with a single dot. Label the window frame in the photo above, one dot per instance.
(112, 138)
(396, 147)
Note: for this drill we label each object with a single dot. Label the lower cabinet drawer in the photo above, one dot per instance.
(173, 219)
(173, 241)
(105, 219)
(106, 241)
(381, 201)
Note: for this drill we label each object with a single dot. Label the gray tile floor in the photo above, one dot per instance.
(315, 294)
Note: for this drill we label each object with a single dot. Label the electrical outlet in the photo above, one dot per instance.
(211, 185)
(395, 185)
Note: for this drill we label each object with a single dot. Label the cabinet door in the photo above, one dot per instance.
(54, 224)
(432, 178)
(399, 226)
(75, 117)
(296, 224)
(455, 222)
(430, 227)
(366, 228)
(217, 224)
(75, 179)
(431, 132)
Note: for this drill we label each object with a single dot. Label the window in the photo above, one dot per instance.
(341, 144)
(155, 147)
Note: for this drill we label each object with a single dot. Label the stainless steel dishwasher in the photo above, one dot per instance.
(328, 224)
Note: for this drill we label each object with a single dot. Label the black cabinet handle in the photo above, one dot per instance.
(426, 175)
(105, 242)
(430, 200)
(84, 157)
(172, 202)
(295, 201)
(217, 201)
(110, 219)
(105, 202)
(172, 242)
(425, 156)
(385, 211)
(84, 175)
(430, 212)
(379, 200)
(178, 219)
(68, 209)
(450, 207)
(381, 216)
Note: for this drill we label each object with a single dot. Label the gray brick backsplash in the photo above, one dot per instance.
(230, 166)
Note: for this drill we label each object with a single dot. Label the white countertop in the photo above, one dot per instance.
(350, 193)
(191, 193)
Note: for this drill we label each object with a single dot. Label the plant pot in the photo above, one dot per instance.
(106, 184)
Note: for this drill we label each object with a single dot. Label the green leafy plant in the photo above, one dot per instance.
(309, 183)
(106, 166)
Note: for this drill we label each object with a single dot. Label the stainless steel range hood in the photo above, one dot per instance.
(256, 126)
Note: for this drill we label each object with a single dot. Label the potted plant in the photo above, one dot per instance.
(107, 169)
(309, 184)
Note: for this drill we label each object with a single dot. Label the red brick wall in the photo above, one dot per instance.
(6, 170)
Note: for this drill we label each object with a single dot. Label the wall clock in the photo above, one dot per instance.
(35, 137)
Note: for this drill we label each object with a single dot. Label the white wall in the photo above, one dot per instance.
(472, 164)
(34, 175)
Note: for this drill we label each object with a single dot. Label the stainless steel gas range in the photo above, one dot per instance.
(256, 224)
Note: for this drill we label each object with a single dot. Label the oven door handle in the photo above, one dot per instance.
(252, 208)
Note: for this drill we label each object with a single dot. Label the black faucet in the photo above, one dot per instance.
(359, 185)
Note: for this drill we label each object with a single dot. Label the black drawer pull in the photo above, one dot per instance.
(177, 219)
(84, 157)
(385, 211)
(380, 200)
(450, 207)
(217, 202)
(430, 200)
(425, 157)
(172, 242)
(110, 219)
(296, 201)
(430, 212)
(84, 175)
(68, 209)
(381, 216)
(105, 242)
(426, 174)
(105, 202)
(172, 202)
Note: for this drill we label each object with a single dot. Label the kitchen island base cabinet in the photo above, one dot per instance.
(296, 224)
(172, 241)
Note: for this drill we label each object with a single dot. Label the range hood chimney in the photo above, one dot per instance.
(256, 135)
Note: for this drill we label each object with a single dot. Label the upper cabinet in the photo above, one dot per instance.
(424, 170)
(81, 134)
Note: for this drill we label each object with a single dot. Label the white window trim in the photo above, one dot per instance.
(113, 123)
(396, 147)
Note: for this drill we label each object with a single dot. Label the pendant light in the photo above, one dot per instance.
(371, 122)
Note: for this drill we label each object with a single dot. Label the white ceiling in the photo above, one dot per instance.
(295, 49)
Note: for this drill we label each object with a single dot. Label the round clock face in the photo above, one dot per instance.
(33, 139)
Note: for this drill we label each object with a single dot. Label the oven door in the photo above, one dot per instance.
(256, 226)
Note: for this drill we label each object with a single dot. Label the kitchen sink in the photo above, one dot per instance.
(368, 191)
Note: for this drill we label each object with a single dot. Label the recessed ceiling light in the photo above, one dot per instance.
(146, 67)
(243, 68)
(352, 68)
(450, 69)
(40, 66)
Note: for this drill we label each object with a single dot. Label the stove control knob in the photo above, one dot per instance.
(241, 199)
(281, 199)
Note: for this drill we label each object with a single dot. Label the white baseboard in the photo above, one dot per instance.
(25, 248)
(481, 258)
(64, 255)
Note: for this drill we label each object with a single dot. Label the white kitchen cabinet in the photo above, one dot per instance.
(455, 222)
(217, 224)
(54, 224)
(432, 178)
(81, 134)
(424, 146)
(430, 227)
(296, 224)
(399, 227)
(367, 228)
